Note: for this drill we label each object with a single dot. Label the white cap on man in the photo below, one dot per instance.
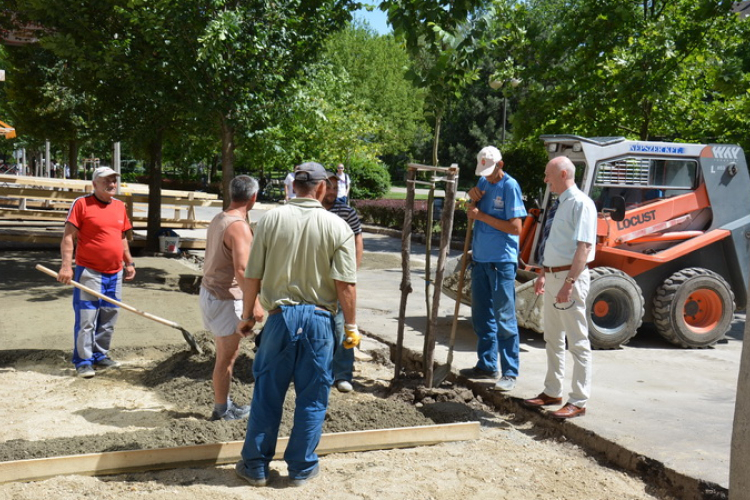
(487, 159)
(103, 172)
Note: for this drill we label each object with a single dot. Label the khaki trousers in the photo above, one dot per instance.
(561, 322)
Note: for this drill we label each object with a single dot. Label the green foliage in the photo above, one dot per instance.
(375, 73)
(525, 162)
(370, 179)
(319, 120)
(445, 42)
(643, 72)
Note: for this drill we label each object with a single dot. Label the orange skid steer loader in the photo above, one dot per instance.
(673, 238)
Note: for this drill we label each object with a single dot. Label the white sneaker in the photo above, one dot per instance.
(505, 384)
(344, 386)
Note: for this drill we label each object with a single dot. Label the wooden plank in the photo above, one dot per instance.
(39, 194)
(417, 166)
(185, 201)
(56, 194)
(14, 213)
(26, 180)
(32, 238)
(173, 223)
(79, 185)
(120, 462)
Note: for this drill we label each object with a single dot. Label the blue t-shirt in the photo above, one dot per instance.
(503, 201)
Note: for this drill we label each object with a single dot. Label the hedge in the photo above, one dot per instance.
(390, 214)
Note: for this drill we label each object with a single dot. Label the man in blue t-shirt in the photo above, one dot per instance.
(498, 211)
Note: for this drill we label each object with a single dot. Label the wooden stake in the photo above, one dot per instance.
(406, 287)
(123, 462)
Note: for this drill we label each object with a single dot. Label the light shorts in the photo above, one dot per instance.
(220, 317)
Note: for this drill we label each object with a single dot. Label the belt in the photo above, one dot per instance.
(278, 310)
(558, 269)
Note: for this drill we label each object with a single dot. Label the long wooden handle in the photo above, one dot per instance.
(111, 300)
(459, 292)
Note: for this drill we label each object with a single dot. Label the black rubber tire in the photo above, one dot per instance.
(678, 298)
(614, 307)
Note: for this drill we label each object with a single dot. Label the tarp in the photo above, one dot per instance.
(7, 131)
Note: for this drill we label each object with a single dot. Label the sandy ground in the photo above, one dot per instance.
(161, 396)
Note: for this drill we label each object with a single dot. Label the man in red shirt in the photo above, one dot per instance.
(96, 227)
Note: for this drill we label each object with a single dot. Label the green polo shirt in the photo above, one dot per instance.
(298, 251)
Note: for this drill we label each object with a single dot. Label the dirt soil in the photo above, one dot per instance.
(161, 397)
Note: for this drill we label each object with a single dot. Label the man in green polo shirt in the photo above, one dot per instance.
(303, 261)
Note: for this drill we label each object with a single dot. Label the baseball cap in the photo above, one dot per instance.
(487, 159)
(310, 171)
(104, 172)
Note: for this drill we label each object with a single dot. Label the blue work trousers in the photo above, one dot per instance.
(296, 346)
(95, 318)
(343, 359)
(493, 315)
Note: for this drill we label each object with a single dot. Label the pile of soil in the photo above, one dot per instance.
(181, 383)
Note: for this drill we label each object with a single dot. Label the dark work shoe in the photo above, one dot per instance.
(241, 471)
(301, 481)
(85, 371)
(478, 373)
(106, 363)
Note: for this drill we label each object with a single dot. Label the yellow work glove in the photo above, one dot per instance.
(351, 336)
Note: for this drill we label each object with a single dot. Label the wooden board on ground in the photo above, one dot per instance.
(120, 462)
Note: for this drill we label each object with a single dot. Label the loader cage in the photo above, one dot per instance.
(642, 180)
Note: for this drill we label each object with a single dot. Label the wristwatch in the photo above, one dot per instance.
(570, 280)
(132, 264)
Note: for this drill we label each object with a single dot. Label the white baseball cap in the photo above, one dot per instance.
(487, 159)
(104, 172)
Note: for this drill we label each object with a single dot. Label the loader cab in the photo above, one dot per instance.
(641, 181)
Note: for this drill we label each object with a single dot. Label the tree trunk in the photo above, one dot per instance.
(428, 227)
(436, 137)
(227, 158)
(154, 193)
(648, 107)
(73, 158)
(214, 168)
(405, 287)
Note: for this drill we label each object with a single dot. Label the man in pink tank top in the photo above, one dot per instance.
(228, 243)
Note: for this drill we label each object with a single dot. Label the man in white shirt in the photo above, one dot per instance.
(564, 281)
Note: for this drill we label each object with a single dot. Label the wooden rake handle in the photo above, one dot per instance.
(459, 292)
(111, 300)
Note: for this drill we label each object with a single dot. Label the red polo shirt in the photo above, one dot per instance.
(100, 232)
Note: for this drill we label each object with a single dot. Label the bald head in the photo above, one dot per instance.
(560, 174)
